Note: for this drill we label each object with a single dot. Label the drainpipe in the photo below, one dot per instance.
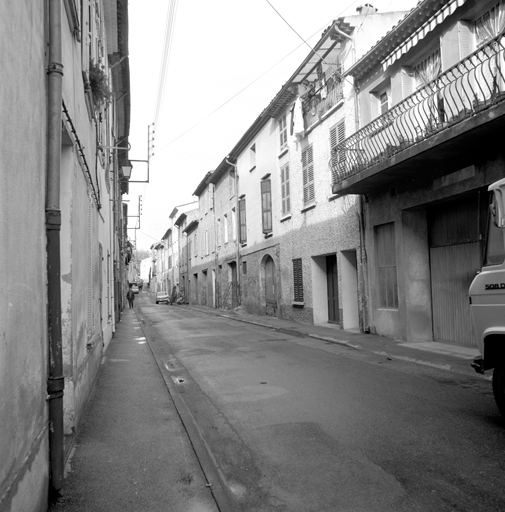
(55, 381)
(237, 227)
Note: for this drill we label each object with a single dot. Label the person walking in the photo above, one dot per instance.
(131, 297)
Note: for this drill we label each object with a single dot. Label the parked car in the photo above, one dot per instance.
(135, 288)
(162, 297)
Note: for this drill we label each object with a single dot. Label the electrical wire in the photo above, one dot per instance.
(306, 43)
(253, 82)
(167, 49)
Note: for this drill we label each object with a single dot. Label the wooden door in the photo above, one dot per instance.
(270, 292)
(332, 282)
(234, 295)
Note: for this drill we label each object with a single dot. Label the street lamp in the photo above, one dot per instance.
(127, 170)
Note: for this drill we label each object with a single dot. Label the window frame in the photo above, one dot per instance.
(225, 228)
(283, 132)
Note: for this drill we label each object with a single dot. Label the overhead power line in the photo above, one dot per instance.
(256, 79)
(165, 59)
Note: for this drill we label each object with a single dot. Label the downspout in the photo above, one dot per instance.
(237, 228)
(55, 381)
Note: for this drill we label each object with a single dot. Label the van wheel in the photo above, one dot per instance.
(499, 387)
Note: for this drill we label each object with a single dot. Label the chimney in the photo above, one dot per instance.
(366, 9)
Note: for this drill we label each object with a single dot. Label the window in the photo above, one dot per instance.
(225, 222)
(490, 24)
(283, 133)
(206, 242)
(219, 232)
(242, 221)
(308, 175)
(252, 157)
(234, 224)
(428, 69)
(386, 262)
(266, 205)
(170, 261)
(286, 199)
(298, 280)
(384, 102)
(244, 267)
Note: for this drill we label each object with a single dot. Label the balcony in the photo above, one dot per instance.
(430, 133)
(318, 102)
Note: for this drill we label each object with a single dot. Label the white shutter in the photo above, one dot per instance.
(465, 35)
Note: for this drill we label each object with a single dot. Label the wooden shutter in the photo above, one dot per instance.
(266, 205)
(407, 82)
(449, 43)
(298, 280)
(308, 175)
(465, 38)
(333, 136)
(286, 206)
(242, 220)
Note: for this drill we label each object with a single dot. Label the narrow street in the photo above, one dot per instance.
(299, 424)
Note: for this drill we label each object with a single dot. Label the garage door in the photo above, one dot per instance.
(455, 257)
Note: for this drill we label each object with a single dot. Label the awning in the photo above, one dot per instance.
(422, 32)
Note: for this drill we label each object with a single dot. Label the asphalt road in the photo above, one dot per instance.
(301, 425)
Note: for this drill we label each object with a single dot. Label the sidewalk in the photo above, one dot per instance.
(132, 452)
(444, 356)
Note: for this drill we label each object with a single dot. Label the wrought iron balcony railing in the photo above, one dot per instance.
(315, 105)
(475, 83)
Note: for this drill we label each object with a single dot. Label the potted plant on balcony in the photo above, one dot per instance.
(99, 84)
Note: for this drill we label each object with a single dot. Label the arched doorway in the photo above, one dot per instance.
(269, 283)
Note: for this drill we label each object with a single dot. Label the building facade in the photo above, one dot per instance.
(62, 182)
(431, 111)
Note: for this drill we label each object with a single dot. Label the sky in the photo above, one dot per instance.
(227, 60)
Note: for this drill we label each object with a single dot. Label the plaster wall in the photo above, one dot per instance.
(259, 245)
(328, 226)
(267, 154)
(23, 321)
(372, 27)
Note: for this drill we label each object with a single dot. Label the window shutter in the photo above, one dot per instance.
(285, 189)
(288, 193)
(242, 220)
(407, 82)
(465, 39)
(308, 175)
(266, 205)
(298, 280)
(341, 132)
(333, 136)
